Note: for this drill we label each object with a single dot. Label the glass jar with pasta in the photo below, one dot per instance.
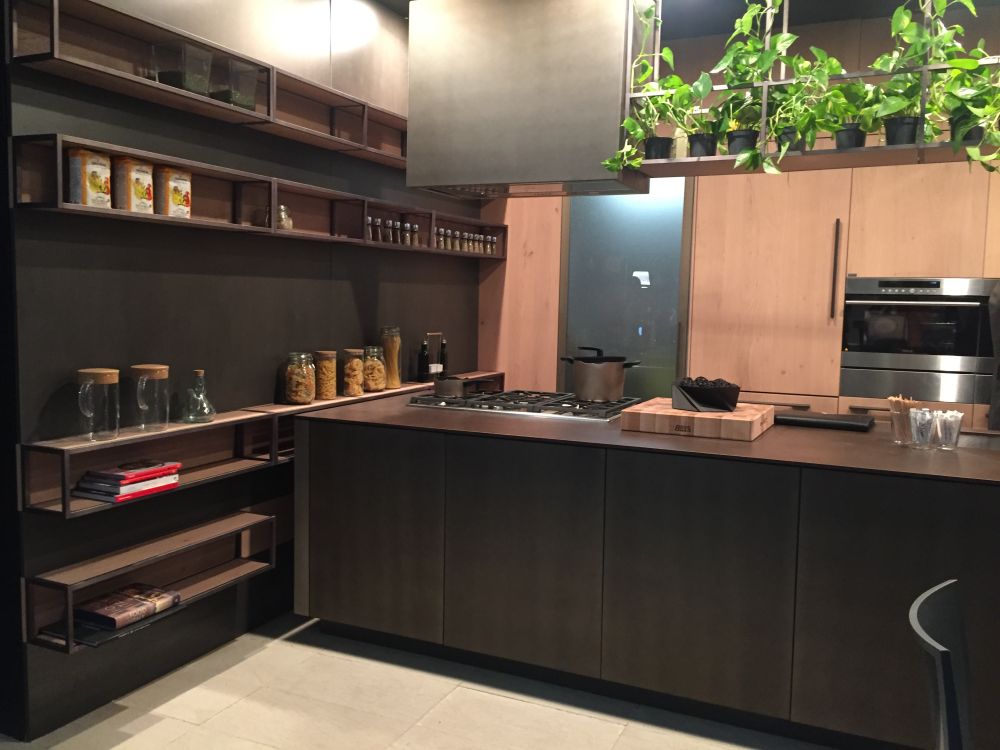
(353, 372)
(300, 378)
(391, 344)
(374, 369)
(326, 374)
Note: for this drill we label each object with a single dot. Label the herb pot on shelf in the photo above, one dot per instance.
(702, 144)
(850, 136)
(742, 140)
(659, 147)
(900, 131)
(975, 134)
(790, 135)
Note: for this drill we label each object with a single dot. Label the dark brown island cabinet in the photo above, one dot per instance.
(766, 582)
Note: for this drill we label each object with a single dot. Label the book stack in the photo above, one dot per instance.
(120, 484)
(125, 606)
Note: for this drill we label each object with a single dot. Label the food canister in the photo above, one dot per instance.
(172, 192)
(133, 185)
(89, 178)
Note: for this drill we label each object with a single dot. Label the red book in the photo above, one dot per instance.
(104, 497)
(137, 471)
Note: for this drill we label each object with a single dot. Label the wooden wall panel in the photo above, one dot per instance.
(991, 267)
(519, 299)
(892, 235)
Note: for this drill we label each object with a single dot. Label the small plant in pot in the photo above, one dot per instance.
(686, 108)
(962, 95)
(899, 108)
(796, 109)
(850, 113)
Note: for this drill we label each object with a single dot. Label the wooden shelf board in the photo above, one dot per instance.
(80, 444)
(285, 409)
(123, 215)
(293, 84)
(380, 157)
(120, 82)
(306, 234)
(698, 166)
(309, 136)
(387, 118)
(302, 188)
(215, 579)
(101, 568)
(81, 506)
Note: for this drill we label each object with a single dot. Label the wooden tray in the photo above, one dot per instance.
(747, 423)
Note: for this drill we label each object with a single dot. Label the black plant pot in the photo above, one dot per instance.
(787, 135)
(742, 140)
(658, 147)
(702, 144)
(975, 134)
(900, 130)
(850, 136)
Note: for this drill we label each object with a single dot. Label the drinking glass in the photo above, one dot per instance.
(921, 428)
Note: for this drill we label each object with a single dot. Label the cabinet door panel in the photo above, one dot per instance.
(869, 545)
(891, 235)
(524, 546)
(991, 269)
(376, 528)
(700, 578)
(763, 280)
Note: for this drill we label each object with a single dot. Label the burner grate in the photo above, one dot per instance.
(531, 403)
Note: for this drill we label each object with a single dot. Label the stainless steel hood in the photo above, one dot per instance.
(517, 97)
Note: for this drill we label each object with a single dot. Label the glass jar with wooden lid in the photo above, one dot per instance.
(326, 374)
(152, 396)
(391, 345)
(300, 378)
(97, 398)
(354, 372)
(374, 370)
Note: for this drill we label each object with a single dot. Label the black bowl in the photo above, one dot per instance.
(706, 398)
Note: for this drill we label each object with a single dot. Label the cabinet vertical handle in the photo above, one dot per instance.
(836, 264)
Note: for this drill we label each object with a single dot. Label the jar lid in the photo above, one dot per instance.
(325, 354)
(300, 357)
(390, 330)
(153, 372)
(353, 352)
(99, 375)
(199, 373)
(373, 351)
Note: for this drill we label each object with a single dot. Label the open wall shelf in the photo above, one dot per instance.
(88, 42)
(231, 200)
(195, 562)
(235, 443)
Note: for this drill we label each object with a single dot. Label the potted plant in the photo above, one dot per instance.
(686, 109)
(850, 113)
(796, 109)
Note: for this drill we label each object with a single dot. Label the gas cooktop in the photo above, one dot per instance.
(531, 404)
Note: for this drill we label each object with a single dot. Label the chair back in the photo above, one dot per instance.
(935, 617)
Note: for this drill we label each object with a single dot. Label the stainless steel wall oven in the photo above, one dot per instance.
(929, 339)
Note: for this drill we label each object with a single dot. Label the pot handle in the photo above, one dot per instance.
(631, 364)
(594, 349)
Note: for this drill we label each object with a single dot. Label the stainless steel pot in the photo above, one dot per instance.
(598, 378)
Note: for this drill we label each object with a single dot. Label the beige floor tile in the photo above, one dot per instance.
(295, 722)
(653, 729)
(372, 686)
(118, 727)
(470, 718)
(199, 738)
(193, 695)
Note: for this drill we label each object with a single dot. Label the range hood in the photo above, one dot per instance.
(518, 97)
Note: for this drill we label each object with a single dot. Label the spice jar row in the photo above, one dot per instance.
(392, 231)
(465, 242)
(312, 376)
(99, 180)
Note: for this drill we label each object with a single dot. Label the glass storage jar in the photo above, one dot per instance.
(300, 378)
(152, 395)
(98, 401)
(374, 369)
(391, 345)
(326, 374)
(353, 372)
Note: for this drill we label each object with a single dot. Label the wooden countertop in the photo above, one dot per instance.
(800, 446)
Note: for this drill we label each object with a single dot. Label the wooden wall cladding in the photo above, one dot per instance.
(519, 300)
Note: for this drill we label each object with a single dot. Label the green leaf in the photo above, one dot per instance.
(891, 105)
(971, 6)
(770, 167)
(900, 19)
(668, 56)
(782, 42)
(633, 128)
(964, 63)
(746, 159)
(702, 86)
(819, 54)
(643, 71)
(940, 6)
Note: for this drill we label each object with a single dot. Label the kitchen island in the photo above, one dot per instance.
(766, 581)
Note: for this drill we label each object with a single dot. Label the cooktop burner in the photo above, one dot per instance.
(530, 403)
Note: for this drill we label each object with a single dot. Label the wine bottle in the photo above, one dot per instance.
(424, 364)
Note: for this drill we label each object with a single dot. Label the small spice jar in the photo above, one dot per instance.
(353, 372)
(300, 378)
(391, 345)
(415, 238)
(448, 245)
(326, 374)
(407, 235)
(284, 218)
(374, 370)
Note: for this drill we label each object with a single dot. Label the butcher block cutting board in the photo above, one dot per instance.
(747, 423)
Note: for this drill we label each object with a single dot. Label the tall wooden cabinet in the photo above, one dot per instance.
(895, 231)
(766, 290)
(991, 266)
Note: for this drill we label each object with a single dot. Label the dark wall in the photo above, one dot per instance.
(98, 293)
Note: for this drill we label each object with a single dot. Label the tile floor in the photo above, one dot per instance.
(290, 687)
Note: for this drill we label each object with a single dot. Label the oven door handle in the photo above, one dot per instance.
(928, 303)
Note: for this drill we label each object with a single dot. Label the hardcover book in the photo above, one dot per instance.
(161, 599)
(136, 471)
(113, 611)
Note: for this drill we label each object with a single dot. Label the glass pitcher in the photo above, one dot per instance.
(98, 401)
(152, 394)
